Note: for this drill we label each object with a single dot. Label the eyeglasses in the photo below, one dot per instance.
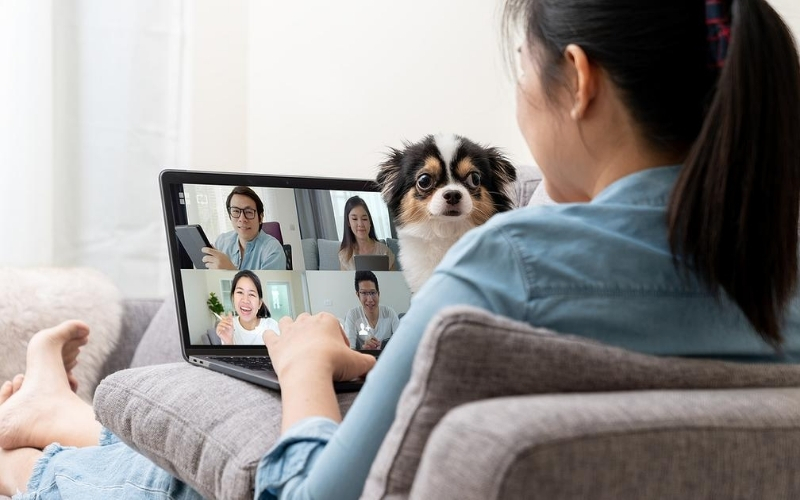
(235, 212)
(371, 293)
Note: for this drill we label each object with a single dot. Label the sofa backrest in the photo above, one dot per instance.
(469, 354)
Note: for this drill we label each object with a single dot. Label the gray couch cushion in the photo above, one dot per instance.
(161, 341)
(328, 254)
(469, 354)
(310, 253)
(208, 429)
(699, 444)
(394, 246)
(528, 178)
(136, 318)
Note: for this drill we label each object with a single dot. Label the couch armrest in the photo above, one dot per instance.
(469, 355)
(734, 444)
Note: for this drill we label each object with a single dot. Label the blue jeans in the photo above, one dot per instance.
(111, 470)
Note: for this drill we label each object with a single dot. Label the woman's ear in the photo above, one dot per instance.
(584, 80)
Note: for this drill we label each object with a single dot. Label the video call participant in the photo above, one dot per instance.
(253, 315)
(609, 96)
(369, 325)
(247, 246)
(359, 235)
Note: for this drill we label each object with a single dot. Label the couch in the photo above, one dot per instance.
(534, 415)
(494, 409)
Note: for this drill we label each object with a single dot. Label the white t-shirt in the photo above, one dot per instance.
(243, 336)
(388, 322)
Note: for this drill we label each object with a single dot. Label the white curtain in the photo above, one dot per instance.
(97, 104)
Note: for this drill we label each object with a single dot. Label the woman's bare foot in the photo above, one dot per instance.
(5, 391)
(16, 467)
(44, 409)
(9, 387)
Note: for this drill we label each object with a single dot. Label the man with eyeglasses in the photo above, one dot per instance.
(369, 325)
(247, 246)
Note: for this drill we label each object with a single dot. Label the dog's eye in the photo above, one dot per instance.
(473, 180)
(424, 182)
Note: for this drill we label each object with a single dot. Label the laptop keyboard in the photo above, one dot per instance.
(257, 363)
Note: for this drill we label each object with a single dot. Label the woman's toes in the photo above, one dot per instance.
(73, 382)
(6, 390)
(16, 383)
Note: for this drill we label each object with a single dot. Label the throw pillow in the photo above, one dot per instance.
(208, 429)
(37, 298)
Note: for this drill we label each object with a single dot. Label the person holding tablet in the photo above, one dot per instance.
(668, 135)
(247, 246)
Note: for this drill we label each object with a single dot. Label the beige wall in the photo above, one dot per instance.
(323, 89)
(218, 91)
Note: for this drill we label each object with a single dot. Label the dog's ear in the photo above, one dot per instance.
(389, 178)
(504, 175)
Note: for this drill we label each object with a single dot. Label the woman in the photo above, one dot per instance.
(678, 167)
(359, 235)
(253, 316)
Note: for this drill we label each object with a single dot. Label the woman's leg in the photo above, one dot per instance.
(15, 469)
(45, 409)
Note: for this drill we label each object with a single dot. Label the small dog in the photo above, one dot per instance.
(437, 189)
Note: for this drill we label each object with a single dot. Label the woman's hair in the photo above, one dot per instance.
(246, 191)
(263, 311)
(367, 276)
(733, 213)
(349, 239)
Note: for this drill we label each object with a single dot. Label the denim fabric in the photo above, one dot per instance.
(263, 252)
(110, 470)
(601, 270)
(298, 449)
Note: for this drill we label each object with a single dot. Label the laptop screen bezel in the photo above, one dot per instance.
(170, 179)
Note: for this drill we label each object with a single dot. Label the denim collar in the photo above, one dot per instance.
(651, 187)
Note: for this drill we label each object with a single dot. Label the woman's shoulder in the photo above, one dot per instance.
(382, 248)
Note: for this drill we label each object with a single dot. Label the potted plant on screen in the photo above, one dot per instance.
(214, 305)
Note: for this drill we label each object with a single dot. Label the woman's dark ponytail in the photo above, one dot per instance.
(733, 215)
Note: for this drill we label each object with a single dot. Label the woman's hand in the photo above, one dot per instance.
(315, 344)
(215, 259)
(308, 355)
(225, 329)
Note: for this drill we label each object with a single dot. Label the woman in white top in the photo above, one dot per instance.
(369, 325)
(253, 316)
(359, 235)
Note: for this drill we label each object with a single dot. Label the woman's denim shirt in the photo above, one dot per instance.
(602, 270)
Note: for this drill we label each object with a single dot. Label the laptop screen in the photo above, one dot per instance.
(281, 246)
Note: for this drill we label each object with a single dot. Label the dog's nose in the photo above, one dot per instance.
(452, 197)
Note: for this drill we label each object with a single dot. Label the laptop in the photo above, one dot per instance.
(371, 262)
(309, 213)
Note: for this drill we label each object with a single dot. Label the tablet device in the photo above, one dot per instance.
(193, 239)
